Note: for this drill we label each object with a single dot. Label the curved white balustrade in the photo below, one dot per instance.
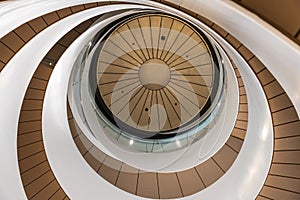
(77, 178)
(27, 10)
(181, 159)
(269, 44)
(232, 18)
(279, 54)
(248, 173)
(55, 101)
(14, 80)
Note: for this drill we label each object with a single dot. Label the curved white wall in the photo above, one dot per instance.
(279, 54)
(76, 173)
(269, 45)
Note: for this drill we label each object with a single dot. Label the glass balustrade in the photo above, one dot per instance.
(150, 82)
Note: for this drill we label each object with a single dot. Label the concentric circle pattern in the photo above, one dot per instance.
(134, 99)
(157, 66)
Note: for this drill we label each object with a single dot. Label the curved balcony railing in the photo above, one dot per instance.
(86, 92)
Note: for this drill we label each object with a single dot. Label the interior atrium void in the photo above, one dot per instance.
(149, 99)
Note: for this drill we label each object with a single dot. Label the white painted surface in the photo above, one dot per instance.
(248, 161)
(169, 161)
(280, 55)
(26, 10)
(77, 178)
(90, 127)
(229, 17)
(276, 51)
(178, 160)
(14, 80)
(247, 174)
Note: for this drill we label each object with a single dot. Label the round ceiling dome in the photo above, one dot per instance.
(156, 74)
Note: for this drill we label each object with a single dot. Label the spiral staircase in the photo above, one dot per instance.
(247, 147)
